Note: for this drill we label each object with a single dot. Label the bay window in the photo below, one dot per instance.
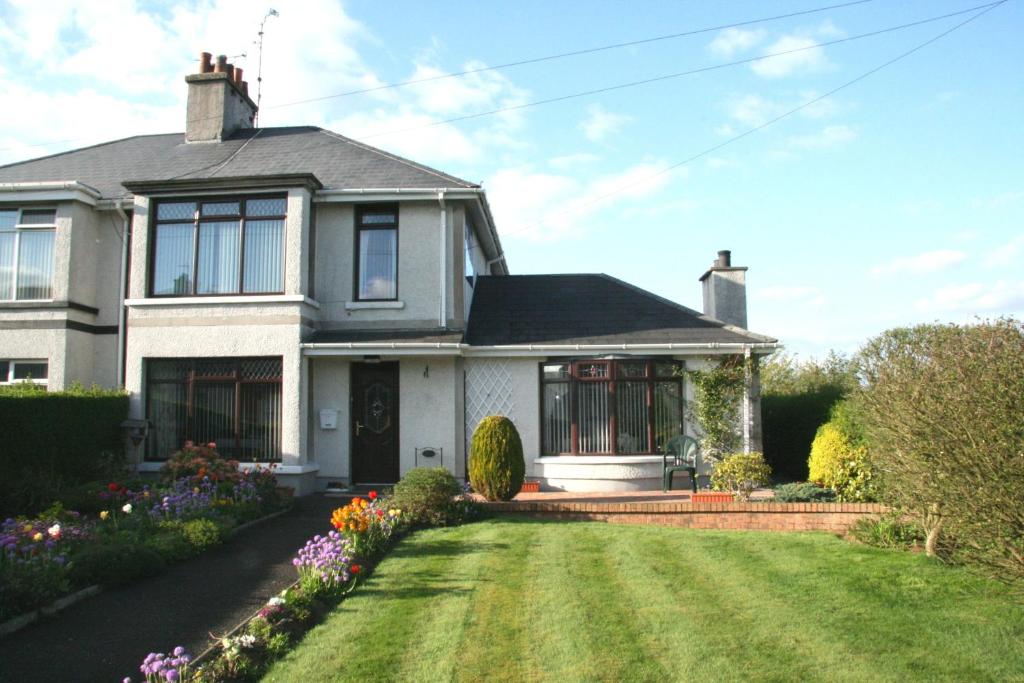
(26, 253)
(603, 406)
(233, 402)
(377, 253)
(219, 246)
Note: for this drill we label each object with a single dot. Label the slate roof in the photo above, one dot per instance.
(337, 162)
(586, 309)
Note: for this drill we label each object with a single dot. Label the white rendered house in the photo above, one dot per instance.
(304, 299)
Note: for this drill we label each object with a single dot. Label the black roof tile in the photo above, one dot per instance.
(586, 309)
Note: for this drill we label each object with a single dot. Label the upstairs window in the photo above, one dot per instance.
(377, 253)
(597, 406)
(219, 246)
(26, 253)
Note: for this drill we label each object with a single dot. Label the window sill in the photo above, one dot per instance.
(215, 300)
(596, 459)
(155, 465)
(371, 305)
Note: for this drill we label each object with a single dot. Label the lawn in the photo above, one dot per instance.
(520, 600)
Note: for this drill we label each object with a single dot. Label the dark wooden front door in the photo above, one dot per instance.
(374, 423)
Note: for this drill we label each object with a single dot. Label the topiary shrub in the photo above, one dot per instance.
(839, 457)
(426, 495)
(496, 465)
(803, 492)
(741, 473)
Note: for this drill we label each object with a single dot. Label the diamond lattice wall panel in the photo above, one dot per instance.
(488, 391)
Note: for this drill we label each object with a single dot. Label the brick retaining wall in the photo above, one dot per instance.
(831, 517)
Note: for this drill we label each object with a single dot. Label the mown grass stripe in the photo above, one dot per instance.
(433, 651)
(521, 600)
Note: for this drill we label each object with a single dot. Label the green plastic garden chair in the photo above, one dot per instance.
(680, 455)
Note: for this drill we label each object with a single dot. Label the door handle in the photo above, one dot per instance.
(358, 427)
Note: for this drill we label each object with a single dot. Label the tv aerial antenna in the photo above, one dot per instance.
(259, 67)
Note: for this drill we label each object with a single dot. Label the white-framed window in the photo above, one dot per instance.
(16, 371)
(26, 253)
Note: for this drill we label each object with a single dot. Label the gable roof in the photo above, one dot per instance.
(586, 309)
(337, 162)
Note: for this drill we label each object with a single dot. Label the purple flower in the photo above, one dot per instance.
(171, 675)
(179, 651)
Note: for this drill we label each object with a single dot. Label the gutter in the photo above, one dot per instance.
(456, 348)
(122, 310)
(51, 191)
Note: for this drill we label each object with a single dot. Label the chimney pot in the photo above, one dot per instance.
(205, 63)
(245, 87)
(222, 64)
(237, 75)
(724, 258)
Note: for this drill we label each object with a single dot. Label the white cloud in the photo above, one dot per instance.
(733, 40)
(127, 64)
(1006, 254)
(754, 110)
(927, 262)
(801, 58)
(599, 123)
(975, 298)
(829, 136)
(792, 294)
(541, 206)
(571, 160)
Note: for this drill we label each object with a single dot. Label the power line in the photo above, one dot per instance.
(574, 53)
(668, 169)
(516, 63)
(655, 79)
(678, 74)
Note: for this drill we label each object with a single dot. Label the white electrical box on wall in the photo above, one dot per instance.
(329, 419)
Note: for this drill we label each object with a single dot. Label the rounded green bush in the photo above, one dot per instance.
(496, 465)
(426, 495)
(741, 473)
(202, 534)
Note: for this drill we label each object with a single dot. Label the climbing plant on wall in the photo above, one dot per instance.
(716, 406)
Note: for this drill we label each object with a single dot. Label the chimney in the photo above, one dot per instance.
(218, 101)
(725, 291)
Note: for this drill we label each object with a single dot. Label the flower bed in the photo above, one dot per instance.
(128, 529)
(329, 568)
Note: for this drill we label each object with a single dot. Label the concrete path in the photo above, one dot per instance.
(106, 637)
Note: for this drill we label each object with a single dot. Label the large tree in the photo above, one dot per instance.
(944, 408)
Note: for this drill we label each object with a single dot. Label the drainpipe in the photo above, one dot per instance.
(443, 313)
(121, 312)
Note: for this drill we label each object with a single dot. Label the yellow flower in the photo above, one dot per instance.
(104, 514)
(38, 537)
(28, 528)
(195, 489)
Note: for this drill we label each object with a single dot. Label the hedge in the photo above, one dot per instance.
(789, 423)
(53, 441)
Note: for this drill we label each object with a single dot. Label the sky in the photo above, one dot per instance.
(899, 199)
